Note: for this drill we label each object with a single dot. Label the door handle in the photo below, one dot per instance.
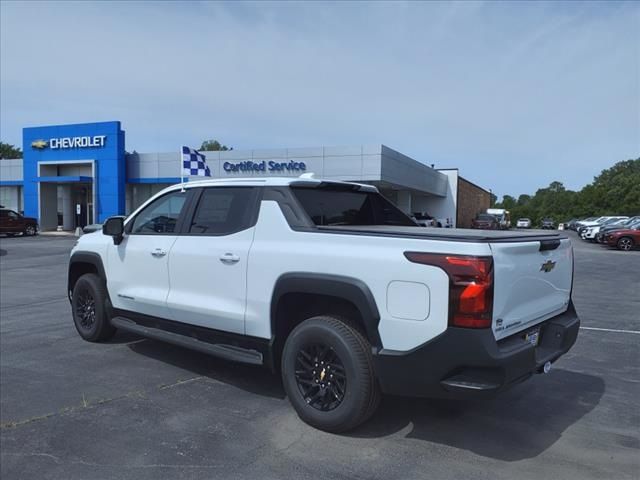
(229, 258)
(158, 253)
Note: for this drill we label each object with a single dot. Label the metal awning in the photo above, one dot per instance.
(65, 179)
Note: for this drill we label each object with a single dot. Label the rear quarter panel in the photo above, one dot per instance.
(377, 261)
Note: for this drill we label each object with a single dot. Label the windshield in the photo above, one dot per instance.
(343, 205)
(486, 217)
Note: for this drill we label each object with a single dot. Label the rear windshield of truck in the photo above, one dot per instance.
(331, 205)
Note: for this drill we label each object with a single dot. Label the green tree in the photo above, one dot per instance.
(214, 146)
(508, 202)
(523, 200)
(616, 191)
(9, 151)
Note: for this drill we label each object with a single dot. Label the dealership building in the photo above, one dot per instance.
(74, 175)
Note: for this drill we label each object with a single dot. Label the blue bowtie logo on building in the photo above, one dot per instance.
(194, 164)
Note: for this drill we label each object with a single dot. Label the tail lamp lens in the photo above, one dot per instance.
(470, 286)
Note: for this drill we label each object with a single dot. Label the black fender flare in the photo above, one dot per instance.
(350, 289)
(90, 258)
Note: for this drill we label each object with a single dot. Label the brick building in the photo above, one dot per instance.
(472, 200)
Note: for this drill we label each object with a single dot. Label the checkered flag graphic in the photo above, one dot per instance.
(194, 164)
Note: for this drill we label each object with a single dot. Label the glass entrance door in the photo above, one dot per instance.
(83, 204)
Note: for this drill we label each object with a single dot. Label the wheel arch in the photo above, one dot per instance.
(81, 263)
(302, 294)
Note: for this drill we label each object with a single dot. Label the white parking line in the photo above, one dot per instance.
(610, 330)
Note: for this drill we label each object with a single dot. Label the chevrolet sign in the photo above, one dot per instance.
(78, 142)
(94, 141)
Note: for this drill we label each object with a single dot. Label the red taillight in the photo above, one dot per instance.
(470, 286)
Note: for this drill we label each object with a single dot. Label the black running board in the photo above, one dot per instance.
(228, 352)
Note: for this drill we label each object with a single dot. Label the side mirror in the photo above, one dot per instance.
(114, 227)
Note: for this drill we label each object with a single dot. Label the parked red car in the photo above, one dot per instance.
(484, 221)
(12, 223)
(624, 239)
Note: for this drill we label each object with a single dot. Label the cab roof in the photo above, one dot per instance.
(304, 179)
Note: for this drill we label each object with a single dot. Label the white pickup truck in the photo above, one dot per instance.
(331, 285)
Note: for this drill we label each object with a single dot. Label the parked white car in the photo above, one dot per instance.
(590, 232)
(331, 285)
(523, 223)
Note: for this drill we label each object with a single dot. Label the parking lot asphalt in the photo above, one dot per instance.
(135, 408)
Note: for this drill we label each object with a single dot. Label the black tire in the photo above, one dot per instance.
(89, 309)
(30, 230)
(625, 243)
(349, 352)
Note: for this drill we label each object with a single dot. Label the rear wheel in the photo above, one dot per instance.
(89, 305)
(625, 243)
(327, 372)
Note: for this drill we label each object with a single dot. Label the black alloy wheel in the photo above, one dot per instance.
(86, 310)
(328, 375)
(89, 305)
(320, 376)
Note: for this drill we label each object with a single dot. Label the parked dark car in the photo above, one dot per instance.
(548, 224)
(484, 221)
(626, 239)
(572, 224)
(12, 223)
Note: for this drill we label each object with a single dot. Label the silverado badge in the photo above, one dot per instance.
(39, 144)
(547, 266)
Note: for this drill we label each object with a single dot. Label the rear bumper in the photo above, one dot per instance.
(463, 363)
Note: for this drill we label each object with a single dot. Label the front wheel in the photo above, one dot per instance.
(30, 230)
(89, 306)
(625, 243)
(327, 372)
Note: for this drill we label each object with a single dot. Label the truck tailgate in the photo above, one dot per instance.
(532, 283)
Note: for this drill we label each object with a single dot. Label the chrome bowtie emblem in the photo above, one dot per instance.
(547, 266)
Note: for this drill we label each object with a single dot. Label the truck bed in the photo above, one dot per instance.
(445, 234)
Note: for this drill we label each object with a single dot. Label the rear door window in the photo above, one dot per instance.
(224, 210)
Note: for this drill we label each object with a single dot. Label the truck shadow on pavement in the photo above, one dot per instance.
(252, 379)
(518, 424)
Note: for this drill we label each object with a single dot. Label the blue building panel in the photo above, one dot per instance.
(102, 142)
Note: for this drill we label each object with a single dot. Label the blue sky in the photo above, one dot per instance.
(514, 94)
